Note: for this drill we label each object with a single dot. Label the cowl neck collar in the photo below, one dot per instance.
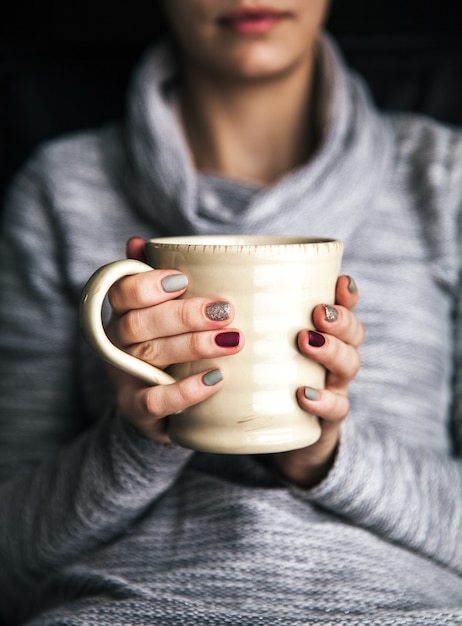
(341, 178)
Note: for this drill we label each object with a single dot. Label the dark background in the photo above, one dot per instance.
(66, 67)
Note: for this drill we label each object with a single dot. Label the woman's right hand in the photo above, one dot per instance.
(150, 323)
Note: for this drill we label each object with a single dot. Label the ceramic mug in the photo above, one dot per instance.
(273, 283)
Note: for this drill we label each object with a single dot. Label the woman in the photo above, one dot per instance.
(247, 121)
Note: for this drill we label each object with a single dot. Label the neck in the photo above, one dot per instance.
(253, 131)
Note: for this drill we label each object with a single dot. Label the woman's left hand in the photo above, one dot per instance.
(335, 345)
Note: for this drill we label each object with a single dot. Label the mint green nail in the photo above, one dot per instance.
(174, 282)
(311, 394)
(212, 378)
(352, 287)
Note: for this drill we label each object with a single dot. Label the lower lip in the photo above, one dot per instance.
(254, 25)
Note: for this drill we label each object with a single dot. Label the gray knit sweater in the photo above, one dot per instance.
(101, 526)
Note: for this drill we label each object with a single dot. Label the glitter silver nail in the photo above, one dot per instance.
(331, 313)
(218, 311)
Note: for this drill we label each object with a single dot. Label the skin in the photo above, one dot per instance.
(234, 89)
(246, 101)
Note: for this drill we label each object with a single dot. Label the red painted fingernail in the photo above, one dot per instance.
(228, 339)
(315, 339)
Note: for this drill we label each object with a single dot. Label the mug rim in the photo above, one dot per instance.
(243, 242)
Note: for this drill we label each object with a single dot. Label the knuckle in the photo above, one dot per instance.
(338, 349)
(195, 343)
(153, 402)
(149, 352)
(184, 392)
(356, 362)
(114, 297)
(131, 326)
(185, 313)
(357, 333)
(337, 406)
(112, 329)
(346, 321)
(347, 360)
(137, 289)
(344, 408)
(126, 293)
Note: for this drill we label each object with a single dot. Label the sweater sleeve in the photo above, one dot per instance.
(407, 496)
(383, 479)
(64, 488)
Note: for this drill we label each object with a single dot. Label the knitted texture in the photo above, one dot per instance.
(99, 525)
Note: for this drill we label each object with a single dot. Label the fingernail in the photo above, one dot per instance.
(174, 282)
(352, 287)
(212, 378)
(315, 339)
(228, 339)
(311, 394)
(331, 313)
(218, 311)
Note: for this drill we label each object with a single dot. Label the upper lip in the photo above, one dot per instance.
(253, 11)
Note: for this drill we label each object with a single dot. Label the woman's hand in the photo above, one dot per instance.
(150, 323)
(336, 347)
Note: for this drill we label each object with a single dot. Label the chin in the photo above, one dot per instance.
(257, 65)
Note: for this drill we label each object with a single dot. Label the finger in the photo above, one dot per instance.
(346, 292)
(135, 249)
(340, 322)
(171, 318)
(146, 289)
(189, 347)
(340, 359)
(147, 405)
(329, 406)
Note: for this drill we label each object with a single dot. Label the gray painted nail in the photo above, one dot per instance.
(352, 287)
(311, 394)
(218, 311)
(212, 378)
(174, 282)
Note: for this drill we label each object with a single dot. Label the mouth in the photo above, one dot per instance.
(252, 20)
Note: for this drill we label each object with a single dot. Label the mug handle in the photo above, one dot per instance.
(91, 303)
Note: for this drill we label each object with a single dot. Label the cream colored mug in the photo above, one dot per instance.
(273, 283)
